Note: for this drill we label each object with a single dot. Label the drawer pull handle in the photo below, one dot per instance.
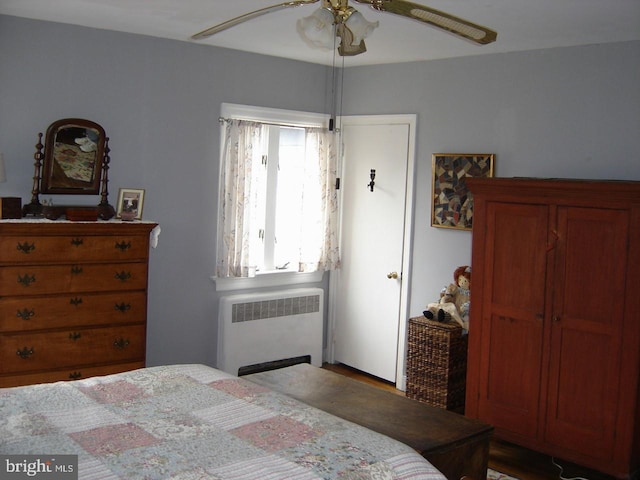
(75, 336)
(26, 247)
(123, 307)
(75, 375)
(123, 276)
(123, 246)
(121, 343)
(25, 314)
(27, 279)
(76, 242)
(76, 270)
(25, 353)
(75, 301)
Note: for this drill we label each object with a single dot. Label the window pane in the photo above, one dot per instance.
(289, 221)
(259, 185)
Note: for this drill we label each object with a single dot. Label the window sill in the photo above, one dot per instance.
(274, 279)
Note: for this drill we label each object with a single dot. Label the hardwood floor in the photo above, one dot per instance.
(505, 457)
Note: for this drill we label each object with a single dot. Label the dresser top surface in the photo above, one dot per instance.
(41, 226)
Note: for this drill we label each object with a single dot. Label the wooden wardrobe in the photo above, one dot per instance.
(554, 339)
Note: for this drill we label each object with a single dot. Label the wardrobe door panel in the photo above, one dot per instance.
(586, 325)
(513, 312)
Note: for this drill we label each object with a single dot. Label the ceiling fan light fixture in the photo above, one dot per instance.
(317, 29)
(348, 47)
(360, 27)
(320, 28)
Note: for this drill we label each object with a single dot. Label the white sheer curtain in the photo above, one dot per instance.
(239, 189)
(320, 243)
(242, 155)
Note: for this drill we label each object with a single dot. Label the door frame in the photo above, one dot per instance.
(405, 286)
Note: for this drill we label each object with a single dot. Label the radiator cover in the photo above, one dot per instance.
(256, 328)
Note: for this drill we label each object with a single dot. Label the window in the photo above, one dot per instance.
(285, 216)
(278, 204)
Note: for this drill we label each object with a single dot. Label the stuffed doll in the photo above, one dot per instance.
(454, 300)
(462, 277)
(444, 310)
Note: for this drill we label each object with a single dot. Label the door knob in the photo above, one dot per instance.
(392, 275)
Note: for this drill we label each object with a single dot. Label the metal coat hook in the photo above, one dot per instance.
(372, 175)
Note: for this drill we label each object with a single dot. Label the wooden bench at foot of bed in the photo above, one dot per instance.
(455, 445)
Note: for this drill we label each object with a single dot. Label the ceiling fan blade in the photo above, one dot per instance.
(445, 21)
(249, 16)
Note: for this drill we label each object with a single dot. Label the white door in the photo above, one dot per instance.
(369, 290)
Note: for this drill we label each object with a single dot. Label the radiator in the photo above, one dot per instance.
(258, 328)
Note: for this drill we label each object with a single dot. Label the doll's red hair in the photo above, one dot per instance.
(465, 271)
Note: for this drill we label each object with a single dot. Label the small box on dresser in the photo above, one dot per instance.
(437, 363)
(74, 299)
(10, 207)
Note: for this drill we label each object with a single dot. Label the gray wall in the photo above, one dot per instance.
(159, 102)
(571, 112)
(565, 112)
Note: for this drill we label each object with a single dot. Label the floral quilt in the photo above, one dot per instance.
(192, 422)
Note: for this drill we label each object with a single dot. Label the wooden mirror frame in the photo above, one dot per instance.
(75, 161)
(73, 157)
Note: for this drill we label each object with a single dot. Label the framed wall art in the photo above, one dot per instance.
(452, 202)
(130, 202)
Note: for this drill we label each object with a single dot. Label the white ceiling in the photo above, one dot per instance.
(521, 25)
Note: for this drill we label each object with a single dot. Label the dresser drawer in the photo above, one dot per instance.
(46, 279)
(39, 313)
(49, 350)
(60, 249)
(66, 374)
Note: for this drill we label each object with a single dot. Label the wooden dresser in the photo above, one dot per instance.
(73, 299)
(554, 334)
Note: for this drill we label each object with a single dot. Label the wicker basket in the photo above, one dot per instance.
(437, 363)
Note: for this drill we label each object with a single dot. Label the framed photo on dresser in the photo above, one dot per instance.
(130, 202)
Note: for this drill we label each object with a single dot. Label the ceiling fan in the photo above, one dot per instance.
(336, 19)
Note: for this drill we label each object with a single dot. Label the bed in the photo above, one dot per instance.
(188, 422)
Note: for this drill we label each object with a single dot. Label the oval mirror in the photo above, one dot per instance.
(73, 157)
